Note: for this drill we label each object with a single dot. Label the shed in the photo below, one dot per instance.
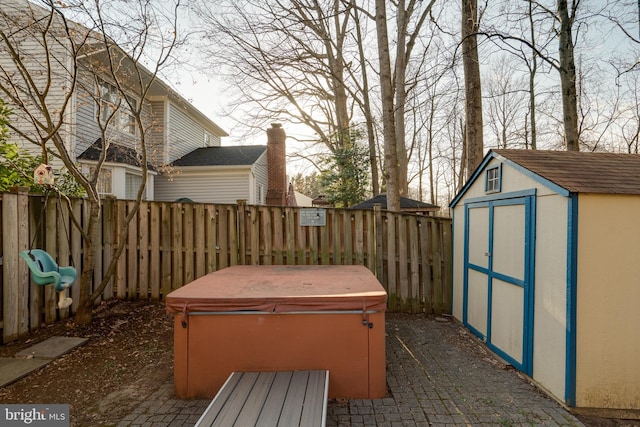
(547, 270)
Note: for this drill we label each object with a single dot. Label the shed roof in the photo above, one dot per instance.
(242, 155)
(582, 172)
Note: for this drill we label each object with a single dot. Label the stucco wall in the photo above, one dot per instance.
(608, 331)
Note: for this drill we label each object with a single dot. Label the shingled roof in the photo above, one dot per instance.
(243, 155)
(406, 204)
(582, 172)
(116, 153)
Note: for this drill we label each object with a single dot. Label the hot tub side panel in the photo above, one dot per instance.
(219, 344)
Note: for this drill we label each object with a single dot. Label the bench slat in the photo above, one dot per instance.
(292, 407)
(218, 401)
(232, 407)
(256, 399)
(313, 409)
(270, 399)
(270, 416)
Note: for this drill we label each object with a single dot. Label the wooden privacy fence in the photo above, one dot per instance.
(170, 244)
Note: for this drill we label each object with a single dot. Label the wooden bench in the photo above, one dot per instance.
(287, 399)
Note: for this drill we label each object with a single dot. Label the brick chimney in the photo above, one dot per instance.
(276, 166)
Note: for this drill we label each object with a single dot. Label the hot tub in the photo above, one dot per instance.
(280, 318)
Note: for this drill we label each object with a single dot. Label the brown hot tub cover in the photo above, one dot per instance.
(281, 289)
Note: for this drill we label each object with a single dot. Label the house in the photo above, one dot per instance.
(407, 205)
(546, 270)
(255, 173)
(174, 126)
(217, 175)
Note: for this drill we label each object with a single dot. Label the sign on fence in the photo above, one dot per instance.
(313, 217)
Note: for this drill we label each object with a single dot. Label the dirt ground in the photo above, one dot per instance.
(128, 356)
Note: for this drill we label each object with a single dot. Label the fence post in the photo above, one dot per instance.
(379, 267)
(241, 231)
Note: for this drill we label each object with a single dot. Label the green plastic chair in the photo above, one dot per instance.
(45, 271)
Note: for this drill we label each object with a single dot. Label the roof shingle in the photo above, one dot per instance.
(242, 155)
(582, 172)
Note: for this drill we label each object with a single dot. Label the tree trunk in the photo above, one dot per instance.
(400, 97)
(388, 122)
(336, 65)
(532, 76)
(568, 79)
(366, 105)
(84, 312)
(472, 88)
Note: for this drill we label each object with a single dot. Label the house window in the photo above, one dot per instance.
(207, 139)
(259, 195)
(132, 184)
(105, 180)
(493, 182)
(110, 101)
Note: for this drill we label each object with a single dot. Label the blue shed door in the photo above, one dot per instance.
(498, 279)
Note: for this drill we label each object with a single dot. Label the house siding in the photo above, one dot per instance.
(157, 133)
(261, 180)
(184, 134)
(32, 55)
(219, 186)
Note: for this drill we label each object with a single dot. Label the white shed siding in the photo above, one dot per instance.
(184, 134)
(550, 271)
(549, 341)
(219, 187)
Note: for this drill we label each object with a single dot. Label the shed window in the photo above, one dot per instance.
(494, 180)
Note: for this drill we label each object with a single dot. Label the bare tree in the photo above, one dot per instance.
(472, 86)
(46, 59)
(285, 61)
(392, 169)
(506, 100)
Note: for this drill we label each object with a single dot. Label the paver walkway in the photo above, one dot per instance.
(438, 375)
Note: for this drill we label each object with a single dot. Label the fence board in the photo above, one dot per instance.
(390, 265)
(254, 235)
(108, 233)
(11, 285)
(188, 243)
(143, 250)
(132, 289)
(50, 238)
(199, 228)
(170, 244)
(267, 237)
(426, 265)
(403, 267)
(165, 244)
(414, 266)
(211, 240)
(154, 253)
(36, 293)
